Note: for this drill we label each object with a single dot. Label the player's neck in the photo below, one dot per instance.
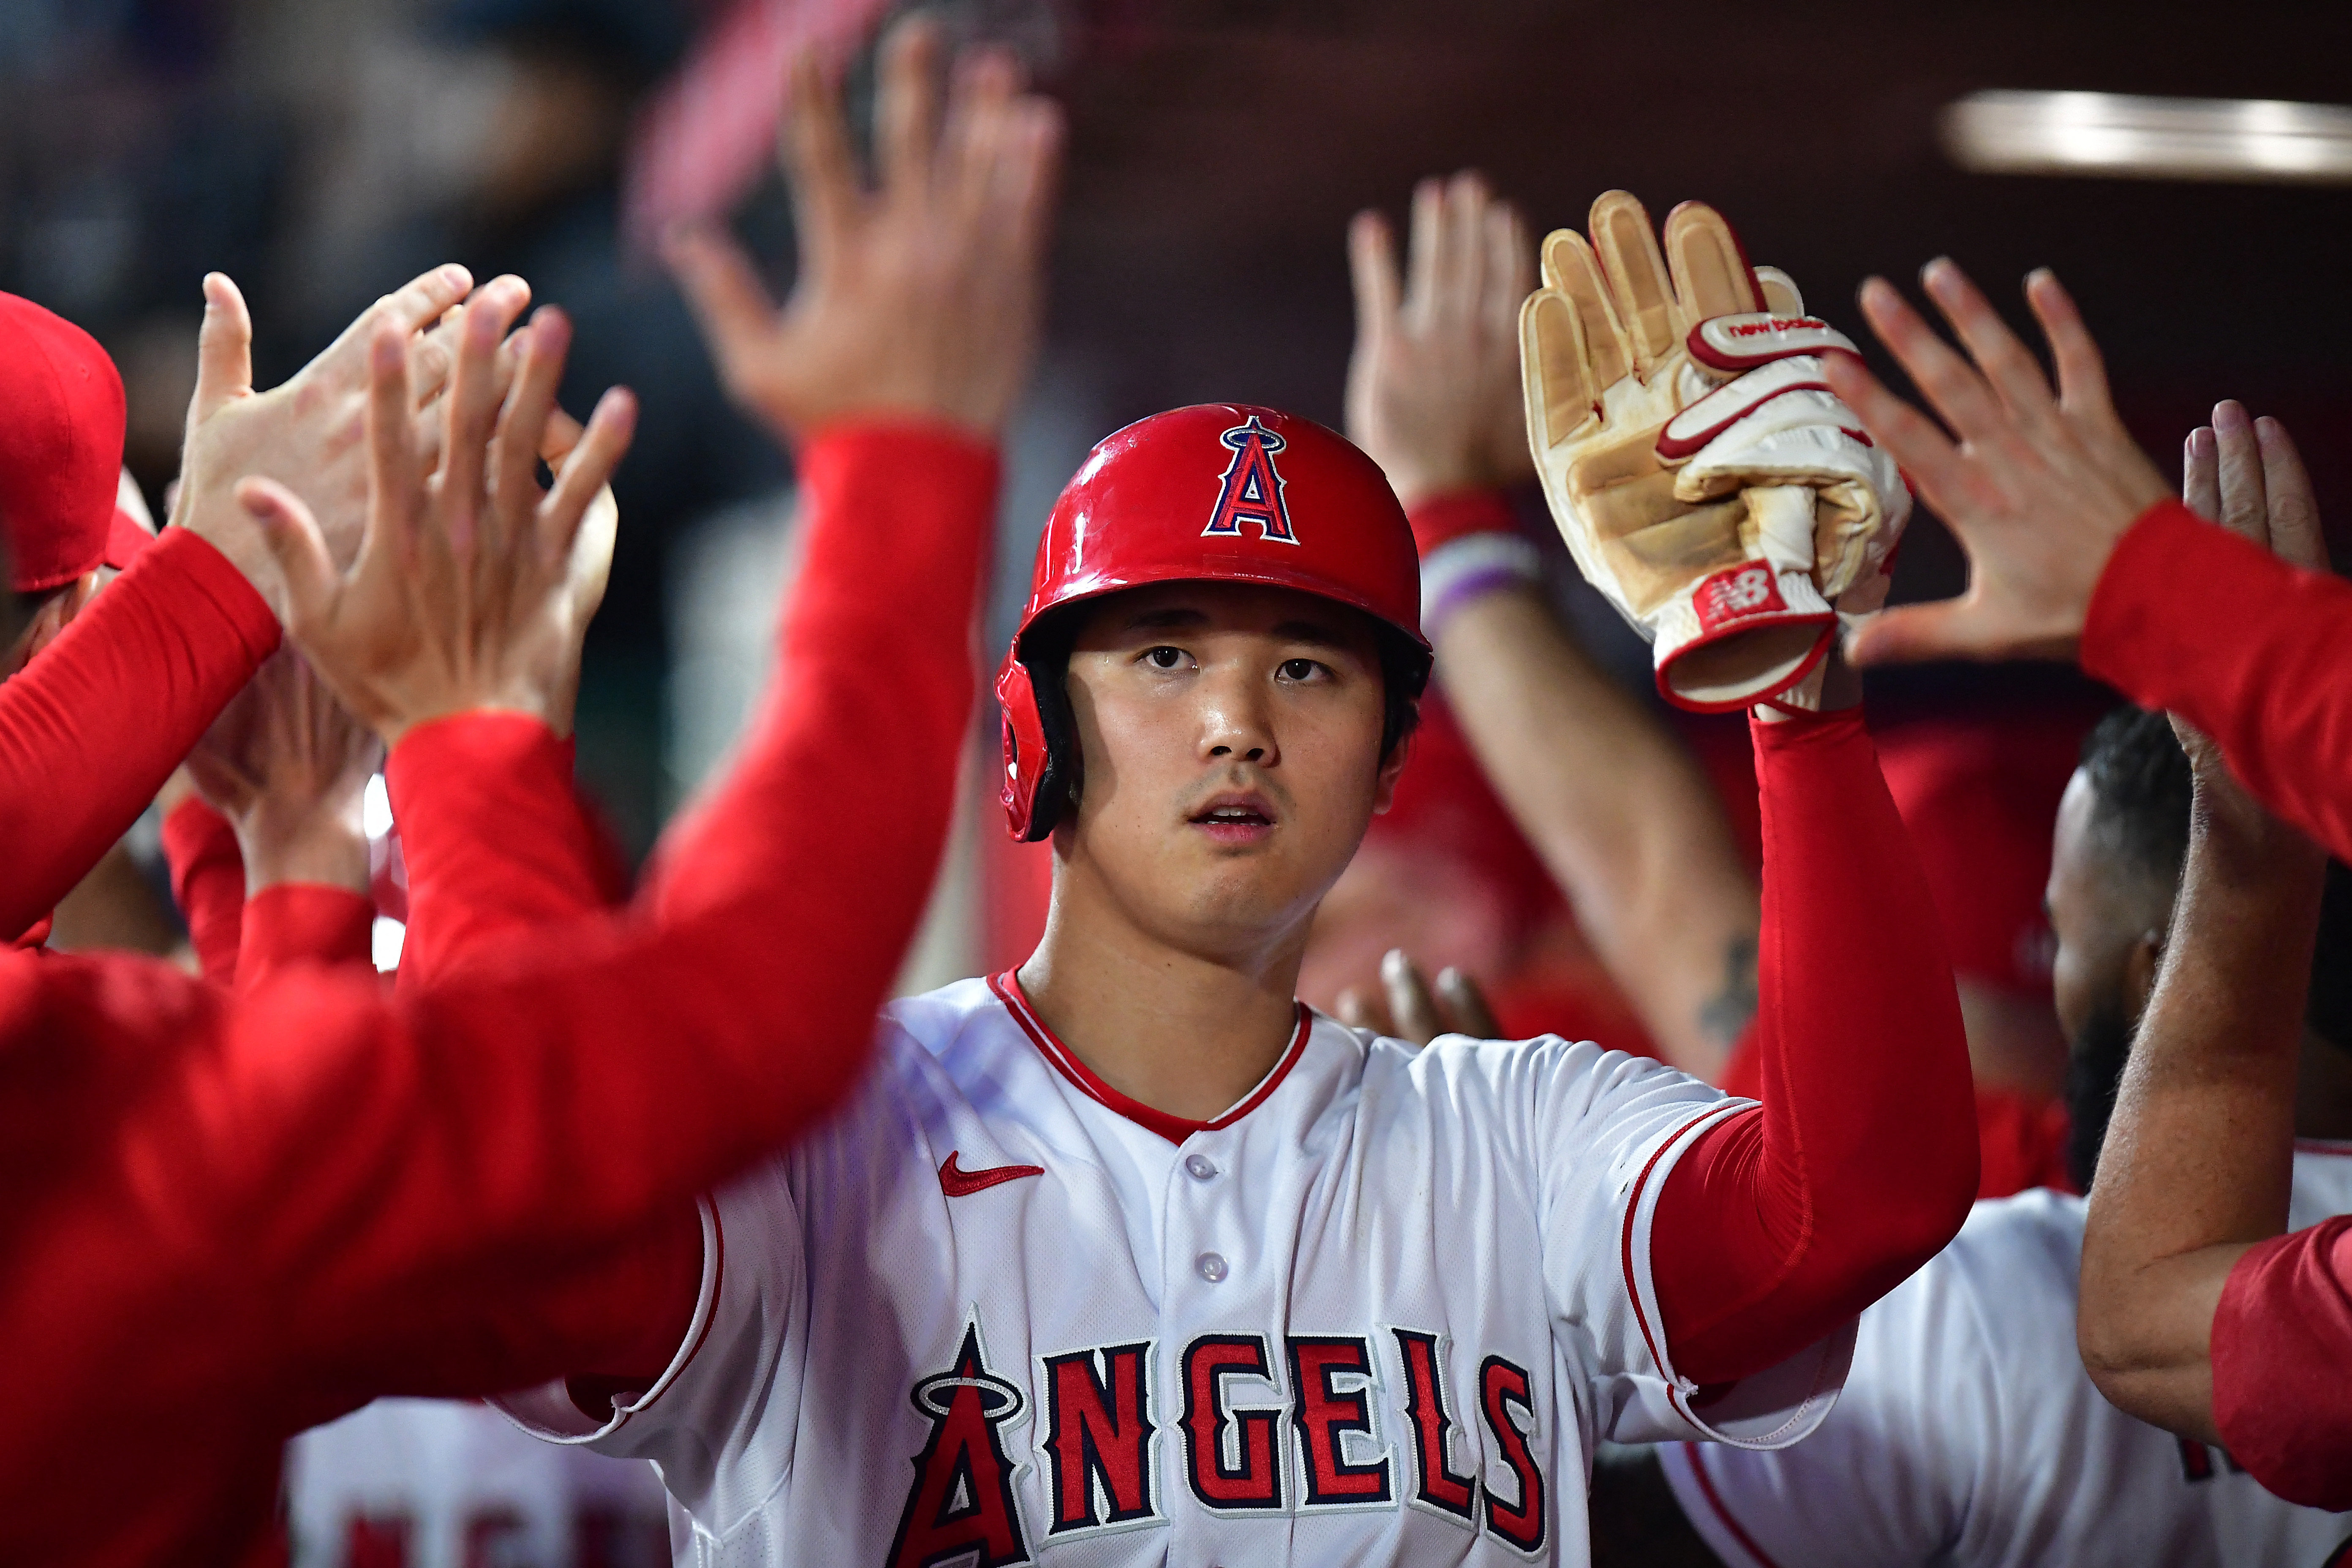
(2323, 1091)
(1185, 1033)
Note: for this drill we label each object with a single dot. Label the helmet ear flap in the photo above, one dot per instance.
(1035, 743)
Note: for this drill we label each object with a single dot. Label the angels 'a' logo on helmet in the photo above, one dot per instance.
(1251, 490)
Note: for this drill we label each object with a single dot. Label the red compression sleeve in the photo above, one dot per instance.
(2020, 1141)
(2282, 1364)
(208, 883)
(2192, 618)
(90, 729)
(495, 838)
(302, 923)
(1782, 1222)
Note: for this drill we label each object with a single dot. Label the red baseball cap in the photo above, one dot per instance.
(61, 413)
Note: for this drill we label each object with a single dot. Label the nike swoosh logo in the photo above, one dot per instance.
(959, 1182)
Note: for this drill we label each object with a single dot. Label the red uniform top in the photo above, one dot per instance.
(2192, 618)
(92, 728)
(1775, 1227)
(229, 1217)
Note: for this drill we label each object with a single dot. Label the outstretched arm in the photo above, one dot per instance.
(451, 636)
(2077, 549)
(2193, 1314)
(1620, 814)
(1782, 1222)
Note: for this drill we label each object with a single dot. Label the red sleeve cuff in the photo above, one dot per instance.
(207, 571)
(1440, 519)
(2282, 1364)
(302, 923)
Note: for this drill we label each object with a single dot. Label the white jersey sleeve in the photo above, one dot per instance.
(1605, 1130)
(1970, 1434)
(733, 1346)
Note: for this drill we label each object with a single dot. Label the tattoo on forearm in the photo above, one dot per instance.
(1725, 1018)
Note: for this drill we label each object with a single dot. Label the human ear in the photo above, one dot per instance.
(1391, 766)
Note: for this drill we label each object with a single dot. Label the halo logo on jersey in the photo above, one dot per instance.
(1251, 490)
(960, 1506)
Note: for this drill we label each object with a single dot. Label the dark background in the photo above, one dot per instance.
(322, 153)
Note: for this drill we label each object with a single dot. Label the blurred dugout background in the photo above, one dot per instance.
(322, 152)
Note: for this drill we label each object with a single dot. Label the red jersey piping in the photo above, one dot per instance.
(1625, 1250)
(1723, 1515)
(1175, 1128)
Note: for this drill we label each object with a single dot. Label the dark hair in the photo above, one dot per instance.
(2142, 783)
(1045, 652)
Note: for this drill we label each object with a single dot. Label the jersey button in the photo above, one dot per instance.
(1201, 1165)
(1210, 1266)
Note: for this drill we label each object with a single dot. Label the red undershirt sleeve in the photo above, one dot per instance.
(513, 1146)
(208, 884)
(2282, 1364)
(495, 838)
(1782, 1222)
(302, 923)
(90, 729)
(2190, 618)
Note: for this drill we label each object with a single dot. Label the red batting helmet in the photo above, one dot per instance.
(1222, 492)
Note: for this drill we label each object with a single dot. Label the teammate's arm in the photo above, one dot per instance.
(2077, 549)
(90, 729)
(1623, 819)
(845, 785)
(890, 372)
(286, 767)
(2196, 1166)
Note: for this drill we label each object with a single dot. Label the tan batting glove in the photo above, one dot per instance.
(1703, 477)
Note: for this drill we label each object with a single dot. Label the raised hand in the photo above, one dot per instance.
(287, 765)
(308, 434)
(2037, 486)
(472, 585)
(1406, 1008)
(2246, 475)
(1433, 383)
(918, 300)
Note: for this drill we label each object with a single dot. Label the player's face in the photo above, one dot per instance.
(1229, 741)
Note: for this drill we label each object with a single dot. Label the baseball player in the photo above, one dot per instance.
(1969, 1431)
(1124, 1255)
(2197, 1314)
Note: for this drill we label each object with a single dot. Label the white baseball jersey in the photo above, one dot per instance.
(444, 1483)
(1968, 1432)
(1379, 1311)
